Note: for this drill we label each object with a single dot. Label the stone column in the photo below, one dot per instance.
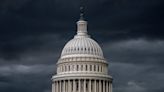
(79, 88)
(95, 87)
(74, 86)
(111, 87)
(107, 86)
(84, 85)
(69, 86)
(90, 85)
(103, 85)
(53, 87)
(100, 86)
(57, 86)
(64, 86)
(60, 86)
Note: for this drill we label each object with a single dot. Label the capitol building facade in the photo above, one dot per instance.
(82, 66)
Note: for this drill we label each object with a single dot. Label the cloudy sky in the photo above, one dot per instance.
(33, 33)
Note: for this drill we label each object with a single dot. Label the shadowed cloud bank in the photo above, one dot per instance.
(33, 33)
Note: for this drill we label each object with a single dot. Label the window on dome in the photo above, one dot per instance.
(94, 67)
(86, 68)
(77, 67)
(69, 68)
(90, 67)
(81, 67)
(101, 68)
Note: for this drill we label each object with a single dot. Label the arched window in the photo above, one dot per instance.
(90, 67)
(94, 67)
(77, 67)
(101, 68)
(82, 68)
(69, 68)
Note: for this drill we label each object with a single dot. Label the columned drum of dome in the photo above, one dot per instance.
(82, 66)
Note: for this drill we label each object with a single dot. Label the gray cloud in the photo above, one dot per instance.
(134, 63)
(21, 76)
(136, 51)
(33, 33)
(128, 77)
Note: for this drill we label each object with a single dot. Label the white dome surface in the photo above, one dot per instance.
(82, 45)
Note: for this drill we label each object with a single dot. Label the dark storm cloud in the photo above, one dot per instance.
(134, 63)
(138, 51)
(30, 45)
(128, 77)
(18, 77)
(33, 33)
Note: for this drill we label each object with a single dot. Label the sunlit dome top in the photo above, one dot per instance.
(82, 45)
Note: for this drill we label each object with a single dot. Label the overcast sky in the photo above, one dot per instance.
(34, 32)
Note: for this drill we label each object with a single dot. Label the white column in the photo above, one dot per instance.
(95, 87)
(84, 85)
(69, 86)
(100, 86)
(111, 87)
(57, 86)
(74, 86)
(64, 86)
(60, 86)
(53, 87)
(107, 86)
(90, 85)
(79, 88)
(103, 85)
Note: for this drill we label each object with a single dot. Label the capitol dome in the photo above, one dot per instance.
(82, 45)
(82, 66)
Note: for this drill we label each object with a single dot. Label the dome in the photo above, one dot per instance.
(82, 45)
